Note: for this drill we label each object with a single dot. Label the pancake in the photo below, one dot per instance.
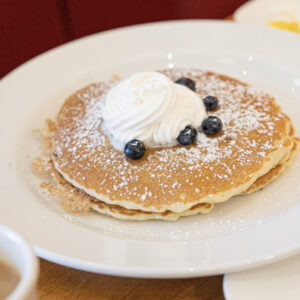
(77, 201)
(264, 180)
(256, 144)
(255, 138)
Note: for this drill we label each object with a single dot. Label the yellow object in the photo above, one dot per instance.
(290, 26)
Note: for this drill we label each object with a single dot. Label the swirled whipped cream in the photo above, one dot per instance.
(149, 107)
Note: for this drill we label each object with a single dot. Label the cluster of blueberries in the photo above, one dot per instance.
(135, 149)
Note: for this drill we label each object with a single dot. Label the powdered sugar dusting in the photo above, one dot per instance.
(250, 128)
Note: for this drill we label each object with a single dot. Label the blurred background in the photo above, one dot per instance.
(30, 27)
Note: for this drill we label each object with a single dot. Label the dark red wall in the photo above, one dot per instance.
(27, 28)
(30, 27)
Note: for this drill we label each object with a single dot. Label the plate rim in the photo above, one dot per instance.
(140, 272)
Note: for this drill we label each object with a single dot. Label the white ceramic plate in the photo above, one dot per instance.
(242, 233)
(260, 12)
(275, 282)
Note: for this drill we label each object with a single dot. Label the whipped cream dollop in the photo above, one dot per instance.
(149, 107)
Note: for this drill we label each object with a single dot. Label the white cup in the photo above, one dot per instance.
(16, 251)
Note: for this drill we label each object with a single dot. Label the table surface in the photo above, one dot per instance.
(59, 282)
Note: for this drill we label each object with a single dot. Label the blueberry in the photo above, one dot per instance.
(187, 82)
(210, 102)
(134, 149)
(187, 136)
(211, 125)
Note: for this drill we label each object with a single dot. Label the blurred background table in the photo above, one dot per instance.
(58, 282)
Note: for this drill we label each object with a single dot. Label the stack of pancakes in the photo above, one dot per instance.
(255, 145)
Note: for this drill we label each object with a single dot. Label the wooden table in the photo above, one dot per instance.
(60, 283)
